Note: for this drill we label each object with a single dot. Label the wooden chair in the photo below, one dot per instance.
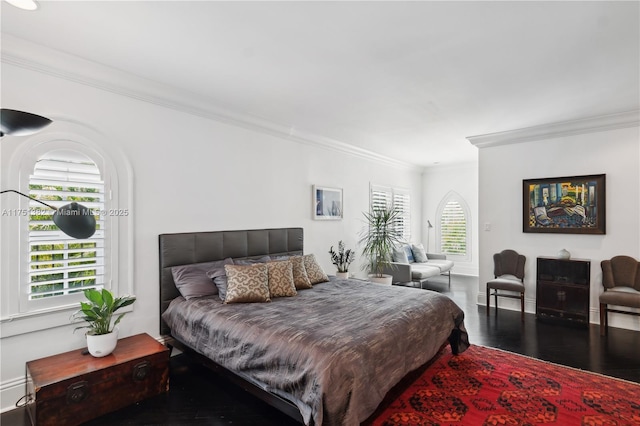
(508, 270)
(621, 282)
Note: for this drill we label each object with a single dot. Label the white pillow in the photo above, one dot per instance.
(419, 254)
(399, 255)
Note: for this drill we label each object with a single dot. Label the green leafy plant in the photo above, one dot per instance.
(98, 312)
(378, 239)
(343, 258)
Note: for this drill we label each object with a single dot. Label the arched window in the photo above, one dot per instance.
(454, 227)
(60, 265)
(44, 271)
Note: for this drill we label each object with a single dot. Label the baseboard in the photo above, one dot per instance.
(628, 322)
(10, 393)
(508, 303)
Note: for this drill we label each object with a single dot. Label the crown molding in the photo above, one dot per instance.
(554, 130)
(35, 57)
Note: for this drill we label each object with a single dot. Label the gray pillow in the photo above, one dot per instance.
(192, 280)
(419, 254)
(252, 261)
(400, 255)
(218, 274)
(280, 257)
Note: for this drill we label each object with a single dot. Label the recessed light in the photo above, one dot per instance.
(23, 4)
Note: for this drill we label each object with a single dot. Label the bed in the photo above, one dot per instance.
(326, 356)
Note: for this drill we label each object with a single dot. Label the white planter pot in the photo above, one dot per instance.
(385, 279)
(342, 275)
(102, 344)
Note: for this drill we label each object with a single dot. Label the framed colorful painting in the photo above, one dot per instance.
(564, 205)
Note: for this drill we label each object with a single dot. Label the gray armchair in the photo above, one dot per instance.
(621, 282)
(508, 270)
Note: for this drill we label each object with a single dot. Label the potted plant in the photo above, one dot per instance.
(98, 312)
(342, 259)
(378, 240)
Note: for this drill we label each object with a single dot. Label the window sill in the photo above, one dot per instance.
(42, 320)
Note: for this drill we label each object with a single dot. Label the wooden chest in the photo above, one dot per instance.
(72, 388)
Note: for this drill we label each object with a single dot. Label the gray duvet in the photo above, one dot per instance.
(334, 350)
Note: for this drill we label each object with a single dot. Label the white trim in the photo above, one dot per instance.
(553, 130)
(31, 56)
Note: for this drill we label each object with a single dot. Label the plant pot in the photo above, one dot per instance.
(342, 275)
(384, 279)
(102, 344)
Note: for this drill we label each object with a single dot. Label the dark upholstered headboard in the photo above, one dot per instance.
(197, 247)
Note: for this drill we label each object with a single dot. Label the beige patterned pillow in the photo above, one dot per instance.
(314, 270)
(300, 277)
(247, 283)
(281, 279)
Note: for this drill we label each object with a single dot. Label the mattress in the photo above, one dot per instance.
(334, 350)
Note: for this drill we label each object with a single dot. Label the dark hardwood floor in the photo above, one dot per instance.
(200, 397)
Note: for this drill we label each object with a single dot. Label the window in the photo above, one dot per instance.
(43, 270)
(60, 265)
(454, 227)
(400, 199)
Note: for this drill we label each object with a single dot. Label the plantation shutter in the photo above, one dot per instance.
(453, 229)
(60, 265)
(402, 203)
(383, 197)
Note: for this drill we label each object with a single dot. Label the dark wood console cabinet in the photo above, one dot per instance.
(562, 289)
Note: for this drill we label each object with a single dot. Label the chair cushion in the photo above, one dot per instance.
(505, 282)
(621, 296)
(421, 271)
(443, 265)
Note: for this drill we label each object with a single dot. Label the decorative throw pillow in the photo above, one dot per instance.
(419, 253)
(314, 270)
(399, 255)
(192, 281)
(407, 249)
(219, 277)
(300, 277)
(281, 279)
(247, 283)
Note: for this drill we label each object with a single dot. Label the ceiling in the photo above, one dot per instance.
(407, 80)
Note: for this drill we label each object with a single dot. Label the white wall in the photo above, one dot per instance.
(437, 182)
(190, 174)
(501, 171)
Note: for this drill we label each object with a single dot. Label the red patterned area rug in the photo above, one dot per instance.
(485, 386)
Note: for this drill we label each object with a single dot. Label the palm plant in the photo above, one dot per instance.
(379, 238)
(99, 311)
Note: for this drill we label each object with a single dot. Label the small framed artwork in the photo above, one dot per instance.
(327, 203)
(564, 205)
